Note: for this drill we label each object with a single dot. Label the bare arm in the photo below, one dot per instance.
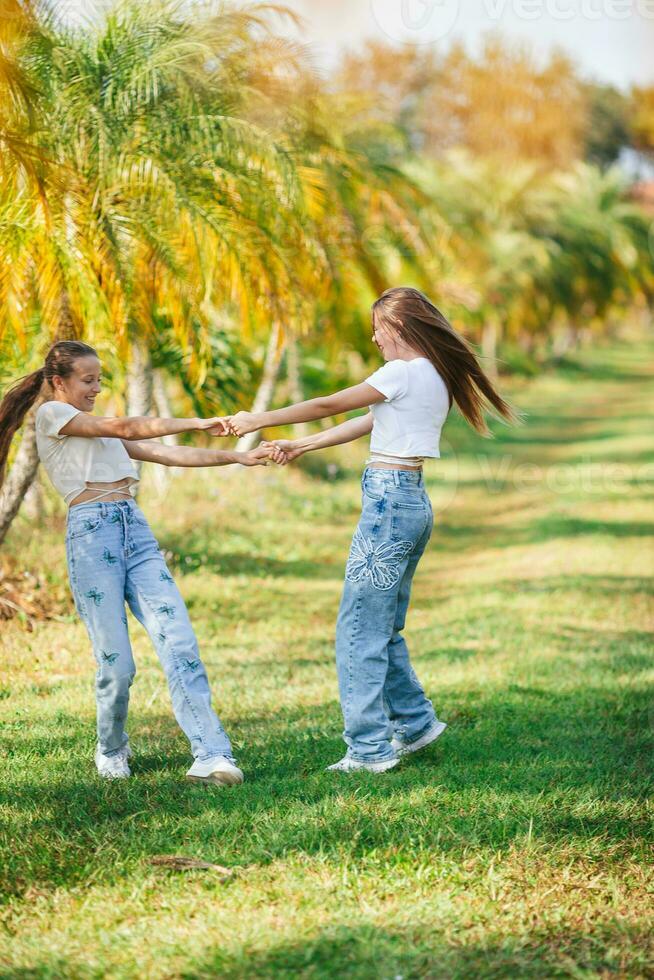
(136, 427)
(347, 400)
(157, 452)
(337, 435)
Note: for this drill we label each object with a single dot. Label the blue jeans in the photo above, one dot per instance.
(114, 558)
(380, 693)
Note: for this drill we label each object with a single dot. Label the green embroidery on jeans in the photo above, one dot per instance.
(164, 576)
(109, 658)
(95, 595)
(108, 557)
(167, 610)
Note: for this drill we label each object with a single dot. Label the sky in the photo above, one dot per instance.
(610, 40)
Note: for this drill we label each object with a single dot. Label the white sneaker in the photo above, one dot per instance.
(113, 766)
(404, 748)
(219, 770)
(346, 764)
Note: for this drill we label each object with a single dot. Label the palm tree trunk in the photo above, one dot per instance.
(163, 474)
(563, 341)
(21, 475)
(139, 385)
(526, 342)
(489, 347)
(33, 503)
(266, 390)
(295, 380)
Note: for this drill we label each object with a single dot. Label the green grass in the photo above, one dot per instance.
(518, 846)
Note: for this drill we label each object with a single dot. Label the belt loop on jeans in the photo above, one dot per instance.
(396, 477)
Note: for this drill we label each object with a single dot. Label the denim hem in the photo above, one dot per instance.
(423, 731)
(370, 758)
(113, 752)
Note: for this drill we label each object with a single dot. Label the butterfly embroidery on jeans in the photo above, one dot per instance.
(381, 564)
(108, 557)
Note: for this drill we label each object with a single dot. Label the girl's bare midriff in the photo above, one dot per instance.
(96, 491)
(393, 466)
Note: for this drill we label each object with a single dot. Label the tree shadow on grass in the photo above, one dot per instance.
(368, 952)
(610, 585)
(605, 648)
(540, 529)
(188, 559)
(590, 369)
(508, 757)
(593, 585)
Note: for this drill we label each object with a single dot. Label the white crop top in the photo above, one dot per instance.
(408, 422)
(73, 461)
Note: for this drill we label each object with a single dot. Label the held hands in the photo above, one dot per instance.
(262, 454)
(233, 425)
(215, 427)
(283, 451)
(256, 457)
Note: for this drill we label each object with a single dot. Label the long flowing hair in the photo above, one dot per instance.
(421, 325)
(23, 393)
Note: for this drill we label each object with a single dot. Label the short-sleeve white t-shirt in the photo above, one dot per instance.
(409, 420)
(73, 461)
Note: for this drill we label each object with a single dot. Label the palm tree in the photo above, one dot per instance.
(493, 263)
(169, 200)
(365, 220)
(597, 241)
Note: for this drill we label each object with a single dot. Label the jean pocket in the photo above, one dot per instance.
(407, 499)
(82, 525)
(374, 490)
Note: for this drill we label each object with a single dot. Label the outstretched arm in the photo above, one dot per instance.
(157, 452)
(137, 427)
(358, 396)
(337, 435)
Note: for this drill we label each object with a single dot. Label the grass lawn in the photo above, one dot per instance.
(517, 846)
